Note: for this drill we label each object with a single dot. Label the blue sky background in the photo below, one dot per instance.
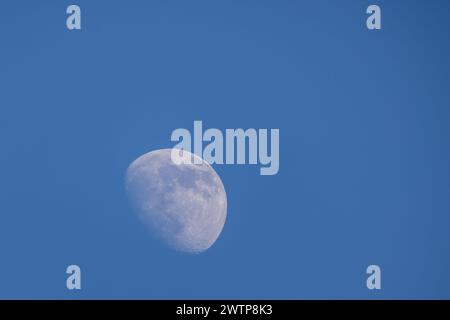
(364, 140)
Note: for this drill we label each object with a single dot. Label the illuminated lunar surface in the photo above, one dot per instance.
(184, 205)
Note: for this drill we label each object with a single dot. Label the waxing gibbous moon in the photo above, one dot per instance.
(185, 205)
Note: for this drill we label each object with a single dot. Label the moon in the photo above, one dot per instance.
(184, 205)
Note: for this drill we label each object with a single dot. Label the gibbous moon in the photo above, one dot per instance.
(185, 205)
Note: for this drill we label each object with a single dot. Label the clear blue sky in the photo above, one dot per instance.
(364, 140)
